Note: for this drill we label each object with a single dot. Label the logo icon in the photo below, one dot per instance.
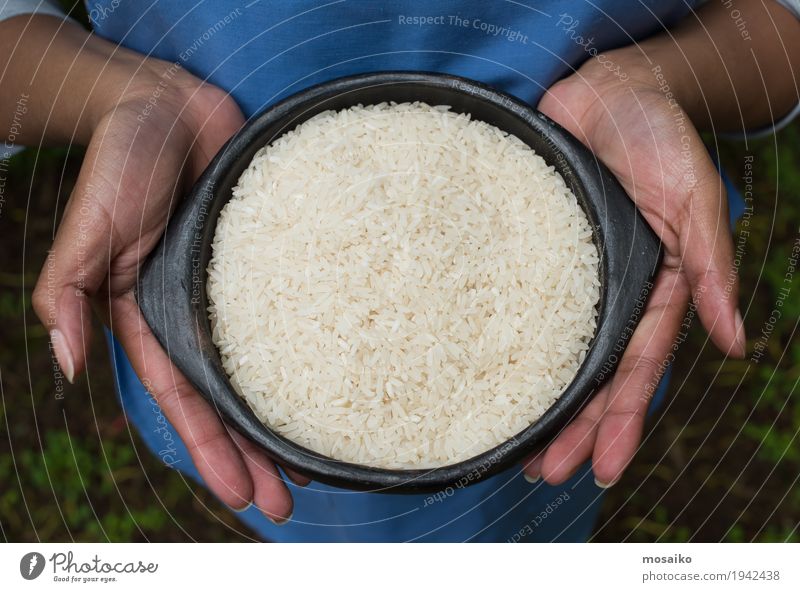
(31, 565)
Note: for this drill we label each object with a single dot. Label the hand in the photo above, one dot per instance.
(147, 147)
(652, 148)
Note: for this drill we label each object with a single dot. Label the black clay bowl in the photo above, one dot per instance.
(172, 286)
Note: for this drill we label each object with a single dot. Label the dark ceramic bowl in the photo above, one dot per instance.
(172, 286)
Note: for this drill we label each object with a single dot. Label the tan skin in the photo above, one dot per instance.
(86, 90)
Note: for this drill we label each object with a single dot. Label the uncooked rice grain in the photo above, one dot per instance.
(401, 286)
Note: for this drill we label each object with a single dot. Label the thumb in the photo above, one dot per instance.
(706, 253)
(75, 267)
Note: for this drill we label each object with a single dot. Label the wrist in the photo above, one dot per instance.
(634, 67)
(145, 84)
(647, 68)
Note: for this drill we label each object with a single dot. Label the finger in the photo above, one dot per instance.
(214, 116)
(75, 267)
(215, 455)
(296, 477)
(558, 104)
(706, 253)
(637, 377)
(270, 495)
(532, 467)
(575, 443)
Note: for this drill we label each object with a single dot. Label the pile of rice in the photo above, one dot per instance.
(400, 286)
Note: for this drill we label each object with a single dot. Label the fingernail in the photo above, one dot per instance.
(531, 478)
(281, 521)
(63, 355)
(741, 340)
(602, 485)
(244, 509)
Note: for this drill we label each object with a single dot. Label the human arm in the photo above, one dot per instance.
(149, 128)
(644, 126)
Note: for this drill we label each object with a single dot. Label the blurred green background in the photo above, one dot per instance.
(720, 461)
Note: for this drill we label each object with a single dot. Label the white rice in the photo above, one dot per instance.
(401, 286)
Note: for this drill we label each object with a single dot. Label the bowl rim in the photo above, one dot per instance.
(169, 281)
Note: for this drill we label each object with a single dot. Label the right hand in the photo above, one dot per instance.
(149, 145)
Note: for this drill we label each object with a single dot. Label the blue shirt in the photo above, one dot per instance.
(263, 51)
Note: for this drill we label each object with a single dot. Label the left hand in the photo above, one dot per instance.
(651, 146)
